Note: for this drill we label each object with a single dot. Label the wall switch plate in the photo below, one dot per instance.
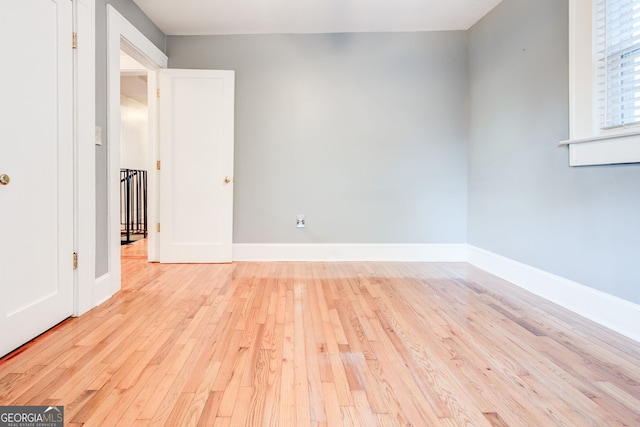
(98, 135)
(300, 221)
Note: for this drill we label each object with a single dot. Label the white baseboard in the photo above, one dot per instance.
(351, 252)
(102, 289)
(610, 311)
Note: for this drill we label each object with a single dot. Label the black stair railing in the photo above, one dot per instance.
(133, 204)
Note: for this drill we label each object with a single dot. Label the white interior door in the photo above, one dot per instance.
(196, 176)
(36, 152)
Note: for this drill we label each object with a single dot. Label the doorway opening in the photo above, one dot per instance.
(122, 36)
(134, 150)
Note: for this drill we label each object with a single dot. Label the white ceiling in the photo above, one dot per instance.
(208, 17)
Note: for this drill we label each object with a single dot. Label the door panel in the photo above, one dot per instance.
(196, 151)
(36, 151)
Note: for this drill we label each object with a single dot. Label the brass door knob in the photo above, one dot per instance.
(4, 179)
(227, 179)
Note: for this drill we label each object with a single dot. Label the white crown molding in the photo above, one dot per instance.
(610, 311)
(351, 252)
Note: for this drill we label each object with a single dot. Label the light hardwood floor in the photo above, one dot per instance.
(326, 344)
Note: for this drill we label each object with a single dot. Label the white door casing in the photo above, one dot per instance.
(196, 133)
(36, 151)
(122, 35)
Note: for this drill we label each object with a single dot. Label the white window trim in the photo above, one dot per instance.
(589, 145)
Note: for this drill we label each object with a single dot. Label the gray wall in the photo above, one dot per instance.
(525, 202)
(365, 134)
(133, 14)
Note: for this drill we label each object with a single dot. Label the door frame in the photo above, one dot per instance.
(84, 105)
(89, 290)
(121, 34)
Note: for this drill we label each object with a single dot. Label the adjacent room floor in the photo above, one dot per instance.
(325, 344)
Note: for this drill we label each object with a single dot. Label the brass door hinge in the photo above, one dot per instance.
(158, 93)
(157, 164)
(74, 40)
(75, 260)
(158, 227)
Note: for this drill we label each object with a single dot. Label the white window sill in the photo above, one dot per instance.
(604, 149)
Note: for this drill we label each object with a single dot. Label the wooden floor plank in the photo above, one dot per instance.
(326, 344)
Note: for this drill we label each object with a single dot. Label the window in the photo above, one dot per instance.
(618, 62)
(604, 82)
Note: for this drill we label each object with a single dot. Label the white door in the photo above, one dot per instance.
(196, 177)
(36, 153)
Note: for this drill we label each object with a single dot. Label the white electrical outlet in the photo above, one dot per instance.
(300, 221)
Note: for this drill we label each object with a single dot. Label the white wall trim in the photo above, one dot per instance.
(84, 168)
(153, 175)
(121, 34)
(605, 151)
(610, 311)
(102, 289)
(350, 252)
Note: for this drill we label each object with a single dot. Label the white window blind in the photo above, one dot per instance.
(618, 62)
